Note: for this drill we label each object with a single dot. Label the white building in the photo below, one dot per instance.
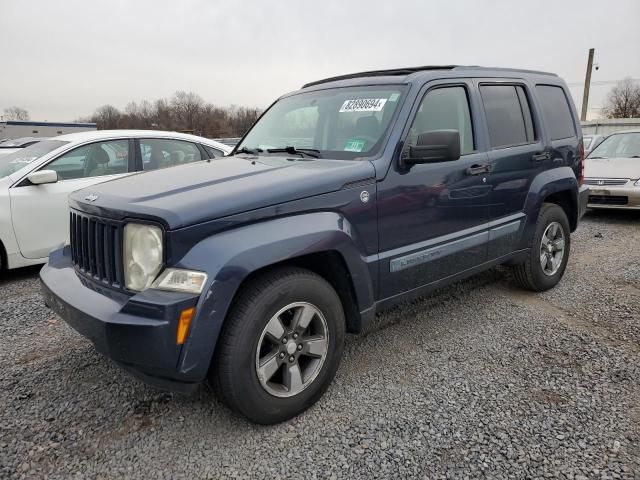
(19, 128)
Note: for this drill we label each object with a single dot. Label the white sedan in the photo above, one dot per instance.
(35, 181)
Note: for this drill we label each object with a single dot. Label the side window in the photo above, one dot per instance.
(212, 152)
(162, 153)
(93, 160)
(508, 115)
(444, 109)
(556, 111)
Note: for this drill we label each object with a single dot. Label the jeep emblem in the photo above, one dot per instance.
(364, 196)
(91, 197)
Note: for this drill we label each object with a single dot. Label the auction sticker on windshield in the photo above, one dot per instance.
(363, 105)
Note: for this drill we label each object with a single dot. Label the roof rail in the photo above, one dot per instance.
(381, 73)
(410, 70)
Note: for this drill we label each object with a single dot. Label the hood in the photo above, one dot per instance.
(612, 168)
(203, 191)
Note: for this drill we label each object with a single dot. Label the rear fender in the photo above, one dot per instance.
(229, 257)
(544, 185)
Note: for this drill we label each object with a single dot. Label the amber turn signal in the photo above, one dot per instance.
(183, 324)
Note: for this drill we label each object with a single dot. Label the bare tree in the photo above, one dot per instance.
(16, 113)
(187, 107)
(184, 111)
(623, 101)
(107, 117)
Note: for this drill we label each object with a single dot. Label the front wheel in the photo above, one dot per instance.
(549, 251)
(281, 345)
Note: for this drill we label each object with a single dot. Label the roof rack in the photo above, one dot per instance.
(410, 70)
(381, 73)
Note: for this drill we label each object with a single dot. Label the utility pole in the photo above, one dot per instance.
(587, 84)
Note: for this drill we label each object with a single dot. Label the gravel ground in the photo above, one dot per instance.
(480, 380)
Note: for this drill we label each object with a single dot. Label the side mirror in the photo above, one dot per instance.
(43, 176)
(435, 146)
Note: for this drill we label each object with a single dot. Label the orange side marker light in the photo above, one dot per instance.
(183, 324)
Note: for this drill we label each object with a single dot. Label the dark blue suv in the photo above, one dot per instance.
(345, 198)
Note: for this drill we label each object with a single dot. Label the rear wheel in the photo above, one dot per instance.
(280, 346)
(549, 251)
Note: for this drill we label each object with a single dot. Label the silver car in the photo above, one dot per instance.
(612, 171)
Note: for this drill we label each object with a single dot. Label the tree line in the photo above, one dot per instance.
(188, 112)
(183, 112)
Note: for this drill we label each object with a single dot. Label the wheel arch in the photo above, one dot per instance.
(323, 242)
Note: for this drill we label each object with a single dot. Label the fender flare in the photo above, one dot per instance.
(229, 257)
(547, 183)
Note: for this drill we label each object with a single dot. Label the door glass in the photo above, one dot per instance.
(506, 108)
(93, 160)
(212, 152)
(162, 153)
(444, 109)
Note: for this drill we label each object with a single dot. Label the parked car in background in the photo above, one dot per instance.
(35, 181)
(592, 141)
(612, 172)
(347, 197)
(13, 145)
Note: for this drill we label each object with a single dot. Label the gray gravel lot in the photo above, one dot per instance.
(480, 380)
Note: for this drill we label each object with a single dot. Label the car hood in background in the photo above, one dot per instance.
(202, 191)
(612, 168)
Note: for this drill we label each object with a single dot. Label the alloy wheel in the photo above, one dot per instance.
(292, 349)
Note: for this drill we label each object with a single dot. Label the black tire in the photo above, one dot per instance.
(530, 274)
(233, 371)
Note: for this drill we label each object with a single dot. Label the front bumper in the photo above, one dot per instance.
(138, 332)
(623, 197)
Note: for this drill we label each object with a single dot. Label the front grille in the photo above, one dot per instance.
(605, 181)
(608, 200)
(96, 248)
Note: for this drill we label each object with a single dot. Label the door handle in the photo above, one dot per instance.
(540, 157)
(478, 169)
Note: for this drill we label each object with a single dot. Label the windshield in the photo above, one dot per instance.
(15, 161)
(339, 123)
(626, 145)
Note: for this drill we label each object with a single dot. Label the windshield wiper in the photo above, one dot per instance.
(596, 157)
(311, 152)
(250, 151)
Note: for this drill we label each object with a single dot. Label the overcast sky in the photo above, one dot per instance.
(62, 59)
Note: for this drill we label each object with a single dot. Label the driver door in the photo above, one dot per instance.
(40, 213)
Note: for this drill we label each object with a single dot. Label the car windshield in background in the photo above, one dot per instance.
(339, 123)
(619, 145)
(15, 161)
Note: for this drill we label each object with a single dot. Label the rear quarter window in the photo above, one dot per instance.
(556, 111)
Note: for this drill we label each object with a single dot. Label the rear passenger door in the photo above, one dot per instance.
(156, 153)
(517, 153)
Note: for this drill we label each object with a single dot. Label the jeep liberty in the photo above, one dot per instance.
(345, 198)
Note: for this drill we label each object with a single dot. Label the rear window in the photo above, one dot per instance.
(556, 112)
(508, 115)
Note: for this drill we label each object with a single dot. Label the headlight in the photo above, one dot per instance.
(142, 255)
(178, 280)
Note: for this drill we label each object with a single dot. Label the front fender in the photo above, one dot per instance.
(229, 257)
(545, 184)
